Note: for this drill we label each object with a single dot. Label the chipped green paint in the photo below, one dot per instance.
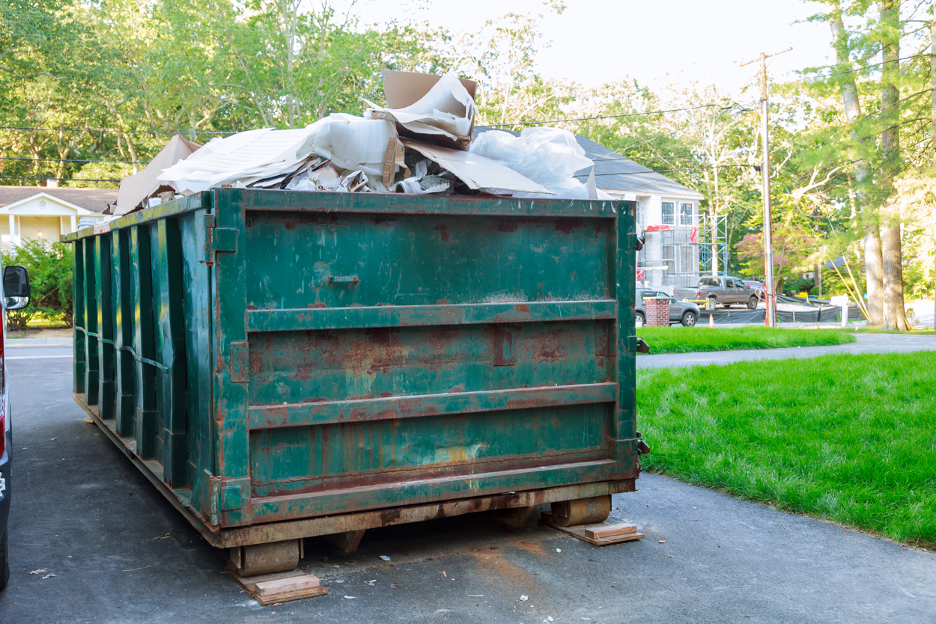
(270, 357)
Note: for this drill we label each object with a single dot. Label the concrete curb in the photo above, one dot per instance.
(39, 342)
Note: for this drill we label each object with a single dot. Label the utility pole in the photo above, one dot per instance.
(765, 181)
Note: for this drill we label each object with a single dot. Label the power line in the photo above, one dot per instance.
(121, 162)
(182, 132)
(60, 179)
(645, 113)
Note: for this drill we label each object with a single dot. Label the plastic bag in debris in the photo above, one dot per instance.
(549, 156)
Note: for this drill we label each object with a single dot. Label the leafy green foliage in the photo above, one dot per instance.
(843, 437)
(692, 339)
(197, 67)
(50, 268)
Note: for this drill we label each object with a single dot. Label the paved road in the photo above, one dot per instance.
(867, 343)
(120, 553)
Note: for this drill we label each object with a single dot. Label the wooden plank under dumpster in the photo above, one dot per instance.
(283, 364)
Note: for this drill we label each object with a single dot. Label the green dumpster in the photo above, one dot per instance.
(284, 365)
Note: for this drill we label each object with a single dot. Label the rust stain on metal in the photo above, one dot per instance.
(442, 230)
(551, 346)
(567, 225)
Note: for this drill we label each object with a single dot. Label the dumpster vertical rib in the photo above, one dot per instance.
(170, 350)
(229, 309)
(78, 319)
(125, 407)
(105, 323)
(91, 317)
(625, 287)
(142, 293)
(197, 308)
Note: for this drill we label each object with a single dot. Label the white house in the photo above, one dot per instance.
(47, 213)
(667, 215)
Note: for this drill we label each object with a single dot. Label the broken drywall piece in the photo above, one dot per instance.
(476, 172)
(137, 188)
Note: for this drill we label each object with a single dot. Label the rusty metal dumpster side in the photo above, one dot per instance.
(136, 368)
(291, 364)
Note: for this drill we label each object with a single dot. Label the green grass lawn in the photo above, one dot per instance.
(850, 438)
(690, 339)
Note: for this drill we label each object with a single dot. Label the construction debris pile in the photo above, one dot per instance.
(420, 143)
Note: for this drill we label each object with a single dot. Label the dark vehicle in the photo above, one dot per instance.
(684, 312)
(15, 297)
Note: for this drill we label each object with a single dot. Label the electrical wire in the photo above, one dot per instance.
(59, 179)
(183, 132)
(80, 160)
(645, 113)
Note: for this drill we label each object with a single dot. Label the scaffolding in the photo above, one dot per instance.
(677, 255)
(713, 243)
(680, 258)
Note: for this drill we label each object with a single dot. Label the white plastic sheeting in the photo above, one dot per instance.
(548, 156)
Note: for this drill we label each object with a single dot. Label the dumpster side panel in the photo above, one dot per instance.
(373, 352)
(196, 318)
(125, 405)
(90, 323)
(105, 325)
(304, 358)
(79, 325)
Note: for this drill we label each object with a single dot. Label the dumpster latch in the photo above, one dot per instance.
(637, 344)
(240, 361)
(634, 242)
(502, 345)
(218, 239)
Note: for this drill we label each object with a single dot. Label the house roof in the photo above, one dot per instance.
(95, 200)
(614, 172)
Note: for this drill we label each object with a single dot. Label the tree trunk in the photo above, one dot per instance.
(894, 314)
(868, 217)
(933, 86)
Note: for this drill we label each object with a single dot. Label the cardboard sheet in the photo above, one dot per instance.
(477, 172)
(430, 108)
(136, 188)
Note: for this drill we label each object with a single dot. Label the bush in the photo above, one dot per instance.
(50, 281)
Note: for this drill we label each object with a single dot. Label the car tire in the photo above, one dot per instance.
(4, 560)
(752, 303)
(710, 304)
(689, 319)
(639, 320)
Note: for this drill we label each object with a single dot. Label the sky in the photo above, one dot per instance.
(653, 41)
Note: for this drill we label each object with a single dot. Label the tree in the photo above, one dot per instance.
(794, 251)
(845, 76)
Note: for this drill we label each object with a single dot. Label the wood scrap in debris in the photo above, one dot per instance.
(270, 589)
(611, 531)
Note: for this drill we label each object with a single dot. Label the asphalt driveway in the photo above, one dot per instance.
(121, 553)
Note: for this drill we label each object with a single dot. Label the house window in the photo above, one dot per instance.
(685, 214)
(669, 213)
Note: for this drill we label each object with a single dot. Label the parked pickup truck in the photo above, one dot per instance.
(720, 290)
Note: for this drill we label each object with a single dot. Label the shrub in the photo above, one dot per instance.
(50, 281)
